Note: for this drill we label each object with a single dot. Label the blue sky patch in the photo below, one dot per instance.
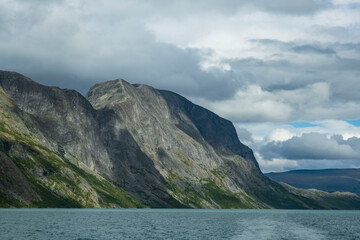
(354, 122)
(303, 124)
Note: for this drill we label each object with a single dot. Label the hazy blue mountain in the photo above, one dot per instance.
(329, 180)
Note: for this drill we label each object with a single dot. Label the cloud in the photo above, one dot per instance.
(309, 145)
(250, 104)
(293, 7)
(254, 104)
(281, 165)
(267, 132)
(313, 146)
(276, 164)
(279, 134)
(342, 2)
(244, 135)
(312, 49)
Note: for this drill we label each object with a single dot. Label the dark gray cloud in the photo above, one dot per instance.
(304, 7)
(315, 48)
(353, 142)
(313, 146)
(293, 7)
(312, 49)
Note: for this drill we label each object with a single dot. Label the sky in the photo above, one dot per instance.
(286, 73)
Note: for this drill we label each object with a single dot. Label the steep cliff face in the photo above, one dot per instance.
(190, 147)
(157, 146)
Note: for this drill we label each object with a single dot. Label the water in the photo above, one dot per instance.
(178, 224)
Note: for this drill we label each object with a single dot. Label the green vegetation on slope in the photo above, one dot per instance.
(210, 194)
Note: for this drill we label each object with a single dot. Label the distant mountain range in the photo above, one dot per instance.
(329, 180)
(125, 145)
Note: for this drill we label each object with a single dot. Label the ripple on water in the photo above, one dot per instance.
(178, 224)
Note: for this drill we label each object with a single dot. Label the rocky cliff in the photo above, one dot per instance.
(127, 145)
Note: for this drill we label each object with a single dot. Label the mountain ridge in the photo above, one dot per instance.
(328, 180)
(152, 147)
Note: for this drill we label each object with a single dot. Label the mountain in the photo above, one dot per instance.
(328, 180)
(125, 145)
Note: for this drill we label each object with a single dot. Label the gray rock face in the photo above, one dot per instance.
(158, 146)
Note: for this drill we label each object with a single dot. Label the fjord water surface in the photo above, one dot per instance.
(178, 224)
